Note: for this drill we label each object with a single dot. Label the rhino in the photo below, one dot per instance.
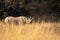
(18, 20)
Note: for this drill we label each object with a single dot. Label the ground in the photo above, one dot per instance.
(34, 31)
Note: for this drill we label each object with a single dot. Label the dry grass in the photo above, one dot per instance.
(34, 31)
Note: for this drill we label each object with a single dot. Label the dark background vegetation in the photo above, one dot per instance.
(48, 10)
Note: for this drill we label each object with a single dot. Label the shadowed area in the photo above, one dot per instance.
(48, 10)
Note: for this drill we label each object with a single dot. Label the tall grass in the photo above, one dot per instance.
(34, 31)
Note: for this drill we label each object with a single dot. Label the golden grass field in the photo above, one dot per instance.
(34, 31)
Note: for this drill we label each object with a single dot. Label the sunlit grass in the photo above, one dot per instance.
(34, 31)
